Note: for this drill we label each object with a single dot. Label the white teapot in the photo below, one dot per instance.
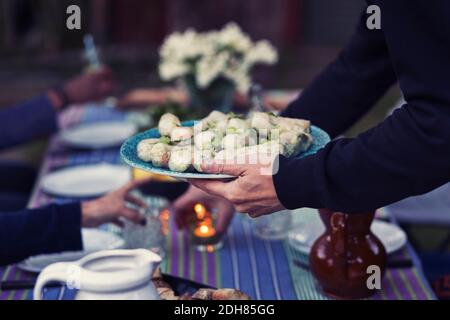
(106, 275)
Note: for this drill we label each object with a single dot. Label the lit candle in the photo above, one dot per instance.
(204, 226)
(200, 211)
(164, 218)
(204, 231)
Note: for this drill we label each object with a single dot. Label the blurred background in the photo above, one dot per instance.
(37, 51)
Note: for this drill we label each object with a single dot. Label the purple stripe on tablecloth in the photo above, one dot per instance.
(211, 263)
(11, 276)
(388, 289)
(174, 254)
(19, 293)
(186, 256)
(401, 287)
(198, 265)
(418, 290)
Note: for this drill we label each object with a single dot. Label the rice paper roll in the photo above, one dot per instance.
(160, 155)
(144, 149)
(200, 156)
(181, 158)
(179, 134)
(167, 123)
(210, 139)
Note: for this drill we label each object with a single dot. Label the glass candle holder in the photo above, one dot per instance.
(150, 236)
(204, 236)
(274, 226)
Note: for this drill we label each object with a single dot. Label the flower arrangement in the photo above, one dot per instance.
(228, 54)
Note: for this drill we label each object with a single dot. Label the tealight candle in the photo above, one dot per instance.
(201, 212)
(205, 236)
(204, 231)
(164, 218)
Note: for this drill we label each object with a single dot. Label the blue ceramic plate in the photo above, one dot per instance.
(129, 153)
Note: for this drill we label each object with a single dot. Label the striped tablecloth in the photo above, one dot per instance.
(262, 269)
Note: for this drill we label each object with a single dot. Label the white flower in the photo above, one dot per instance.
(210, 67)
(172, 70)
(262, 52)
(227, 53)
(239, 75)
(233, 37)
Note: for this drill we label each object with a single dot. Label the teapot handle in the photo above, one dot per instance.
(59, 272)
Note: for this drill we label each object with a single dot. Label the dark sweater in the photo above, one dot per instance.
(46, 230)
(405, 155)
(50, 229)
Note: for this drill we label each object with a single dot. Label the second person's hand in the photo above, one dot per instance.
(183, 206)
(114, 207)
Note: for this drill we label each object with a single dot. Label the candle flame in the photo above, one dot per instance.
(164, 218)
(165, 214)
(200, 211)
(204, 229)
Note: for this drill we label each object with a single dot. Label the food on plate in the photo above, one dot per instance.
(261, 120)
(167, 293)
(220, 294)
(293, 143)
(251, 154)
(209, 139)
(180, 134)
(203, 294)
(233, 141)
(181, 158)
(216, 120)
(222, 136)
(160, 154)
(237, 124)
(201, 156)
(229, 294)
(290, 124)
(144, 149)
(167, 123)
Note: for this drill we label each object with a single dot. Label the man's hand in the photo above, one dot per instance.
(113, 207)
(90, 86)
(251, 192)
(182, 208)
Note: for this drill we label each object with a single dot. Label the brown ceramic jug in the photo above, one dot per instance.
(340, 258)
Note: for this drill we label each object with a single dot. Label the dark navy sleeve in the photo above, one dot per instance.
(349, 86)
(407, 154)
(50, 229)
(22, 123)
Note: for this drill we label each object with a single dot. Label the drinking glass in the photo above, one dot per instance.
(274, 226)
(151, 235)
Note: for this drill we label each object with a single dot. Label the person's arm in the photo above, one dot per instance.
(46, 230)
(407, 154)
(24, 122)
(38, 117)
(57, 228)
(349, 86)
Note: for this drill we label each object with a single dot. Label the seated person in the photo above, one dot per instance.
(54, 228)
(57, 228)
(37, 118)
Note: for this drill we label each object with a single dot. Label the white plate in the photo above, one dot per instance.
(86, 180)
(303, 237)
(98, 135)
(93, 240)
